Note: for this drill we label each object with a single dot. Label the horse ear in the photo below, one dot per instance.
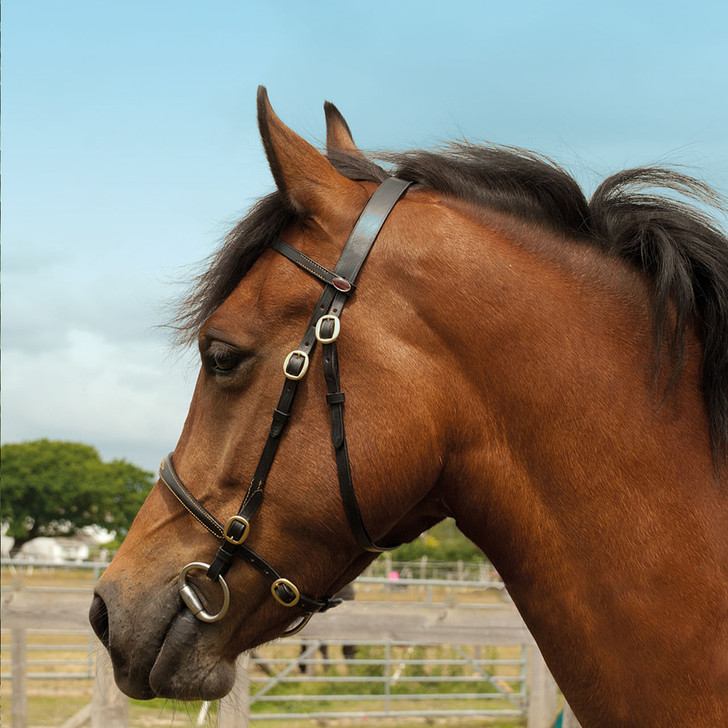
(301, 172)
(338, 134)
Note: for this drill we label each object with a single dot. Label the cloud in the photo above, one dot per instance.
(95, 390)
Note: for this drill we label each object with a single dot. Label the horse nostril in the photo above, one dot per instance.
(98, 615)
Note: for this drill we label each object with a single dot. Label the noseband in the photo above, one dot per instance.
(323, 327)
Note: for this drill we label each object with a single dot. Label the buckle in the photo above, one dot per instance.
(226, 531)
(304, 368)
(337, 327)
(292, 588)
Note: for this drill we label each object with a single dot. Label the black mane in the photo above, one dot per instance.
(674, 243)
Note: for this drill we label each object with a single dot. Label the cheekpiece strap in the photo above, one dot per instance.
(352, 258)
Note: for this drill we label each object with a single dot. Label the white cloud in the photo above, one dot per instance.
(129, 400)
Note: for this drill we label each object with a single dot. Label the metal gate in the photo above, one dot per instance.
(317, 679)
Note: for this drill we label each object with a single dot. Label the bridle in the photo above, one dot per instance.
(323, 327)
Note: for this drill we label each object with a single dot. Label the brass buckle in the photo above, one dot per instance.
(226, 531)
(304, 369)
(291, 586)
(337, 327)
(190, 598)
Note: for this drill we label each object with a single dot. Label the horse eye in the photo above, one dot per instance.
(222, 361)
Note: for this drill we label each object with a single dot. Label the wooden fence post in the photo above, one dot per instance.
(20, 665)
(234, 709)
(570, 720)
(542, 692)
(109, 706)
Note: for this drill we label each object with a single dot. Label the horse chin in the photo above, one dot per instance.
(184, 670)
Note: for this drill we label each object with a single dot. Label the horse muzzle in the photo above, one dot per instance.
(158, 648)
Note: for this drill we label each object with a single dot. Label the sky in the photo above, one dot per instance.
(130, 147)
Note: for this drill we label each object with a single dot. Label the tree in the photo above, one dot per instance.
(443, 542)
(52, 488)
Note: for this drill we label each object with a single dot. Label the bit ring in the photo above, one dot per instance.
(190, 598)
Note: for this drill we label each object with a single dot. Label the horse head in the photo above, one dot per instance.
(396, 441)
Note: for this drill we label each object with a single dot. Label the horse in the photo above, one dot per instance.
(551, 371)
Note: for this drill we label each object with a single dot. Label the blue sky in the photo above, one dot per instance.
(130, 146)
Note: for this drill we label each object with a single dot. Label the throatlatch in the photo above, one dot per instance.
(324, 327)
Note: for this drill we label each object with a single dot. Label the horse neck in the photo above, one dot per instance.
(596, 500)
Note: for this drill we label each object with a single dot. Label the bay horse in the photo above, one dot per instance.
(550, 371)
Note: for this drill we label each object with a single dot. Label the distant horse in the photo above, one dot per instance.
(348, 651)
(550, 371)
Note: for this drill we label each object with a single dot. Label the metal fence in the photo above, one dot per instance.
(385, 679)
(51, 654)
(424, 568)
(323, 676)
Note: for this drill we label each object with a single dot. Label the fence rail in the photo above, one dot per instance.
(37, 641)
(383, 679)
(420, 655)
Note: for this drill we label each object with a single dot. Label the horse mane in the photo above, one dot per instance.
(648, 216)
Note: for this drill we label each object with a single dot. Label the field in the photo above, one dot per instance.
(54, 697)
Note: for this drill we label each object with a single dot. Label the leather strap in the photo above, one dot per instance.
(352, 258)
(367, 227)
(311, 266)
(170, 478)
(336, 399)
(339, 286)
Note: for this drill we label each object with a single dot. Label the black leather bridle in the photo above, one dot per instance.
(323, 327)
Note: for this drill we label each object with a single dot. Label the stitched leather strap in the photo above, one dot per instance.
(170, 478)
(311, 266)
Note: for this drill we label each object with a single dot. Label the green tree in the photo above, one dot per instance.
(443, 542)
(51, 488)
